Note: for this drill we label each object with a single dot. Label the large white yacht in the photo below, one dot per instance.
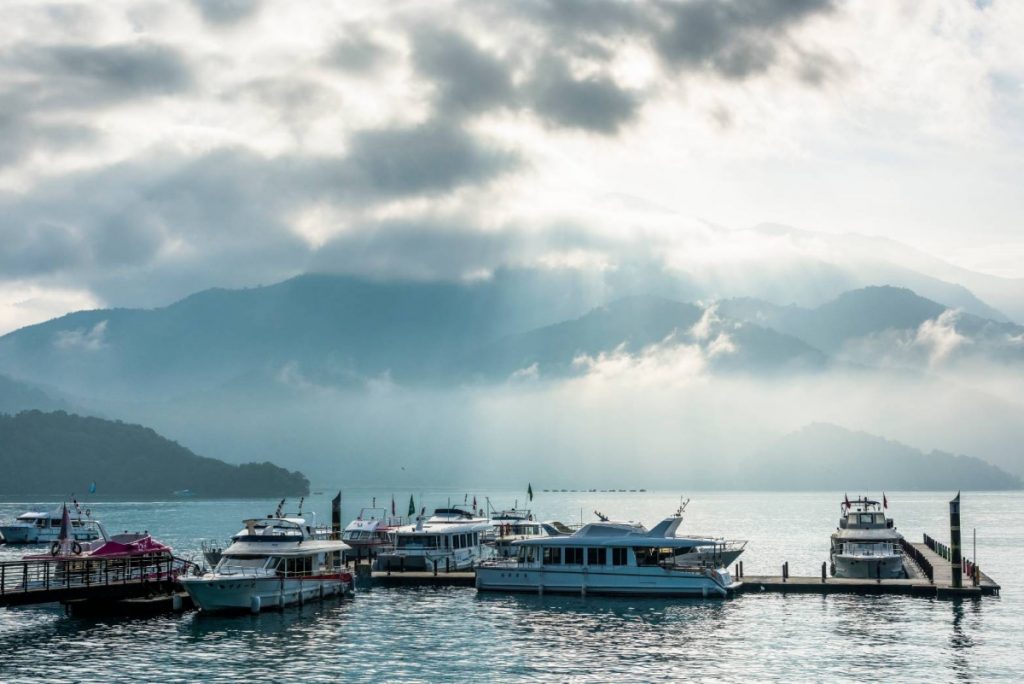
(451, 539)
(866, 543)
(273, 561)
(617, 558)
(35, 527)
(516, 524)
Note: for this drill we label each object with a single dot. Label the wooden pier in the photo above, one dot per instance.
(461, 579)
(28, 582)
(928, 574)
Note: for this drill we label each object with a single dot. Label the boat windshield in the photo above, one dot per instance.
(240, 561)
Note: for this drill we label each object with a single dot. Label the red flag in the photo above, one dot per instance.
(846, 500)
(885, 501)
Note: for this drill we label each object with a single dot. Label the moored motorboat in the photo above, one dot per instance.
(372, 533)
(39, 527)
(516, 524)
(608, 557)
(866, 543)
(452, 538)
(273, 561)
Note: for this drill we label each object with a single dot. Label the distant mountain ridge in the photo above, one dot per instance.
(825, 456)
(54, 453)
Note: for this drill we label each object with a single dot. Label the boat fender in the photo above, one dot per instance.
(76, 548)
(55, 548)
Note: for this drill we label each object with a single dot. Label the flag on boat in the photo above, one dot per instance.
(393, 505)
(846, 500)
(885, 501)
(474, 502)
(412, 506)
(92, 487)
(529, 491)
(65, 525)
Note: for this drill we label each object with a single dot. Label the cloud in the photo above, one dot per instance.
(226, 12)
(21, 134)
(79, 75)
(733, 38)
(467, 78)
(357, 53)
(594, 103)
(940, 337)
(91, 339)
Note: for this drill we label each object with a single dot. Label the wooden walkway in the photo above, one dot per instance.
(28, 582)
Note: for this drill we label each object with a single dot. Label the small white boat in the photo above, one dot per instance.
(617, 558)
(866, 543)
(273, 562)
(35, 527)
(451, 539)
(372, 533)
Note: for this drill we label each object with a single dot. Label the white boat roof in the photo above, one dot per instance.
(285, 548)
(609, 533)
(868, 534)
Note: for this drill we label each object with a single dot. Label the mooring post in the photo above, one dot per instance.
(741, 568)
(822, 572)
(785, 571)
(954, 542)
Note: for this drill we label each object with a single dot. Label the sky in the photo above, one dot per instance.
(152, 149)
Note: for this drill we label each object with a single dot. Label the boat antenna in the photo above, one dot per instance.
(301, 499)
(601, 516)
(682, 506)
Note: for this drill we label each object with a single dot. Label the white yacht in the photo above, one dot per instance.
(372, 533)
(35, 527)
(866, 543)
(273, 561)
(516, 524)
(617, 558)
(451, 539)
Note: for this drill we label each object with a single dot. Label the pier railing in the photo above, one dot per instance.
(919, 558)
(45, 580)
(970, 569)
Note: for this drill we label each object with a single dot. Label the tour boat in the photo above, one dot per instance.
(372, 532)
(34, 527)
(608, 557)
(866, 543)
(451, 539)
(273, 561)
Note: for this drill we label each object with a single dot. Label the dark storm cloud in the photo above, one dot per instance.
(595, 104)
(467, 78)
(734, 38)
(226, 12)
(427, 159)
(62, 76)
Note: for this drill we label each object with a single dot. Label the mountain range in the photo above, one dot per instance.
(288, 366)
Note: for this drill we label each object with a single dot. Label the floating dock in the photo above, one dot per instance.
(457, 579)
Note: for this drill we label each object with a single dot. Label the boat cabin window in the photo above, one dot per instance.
(573, 556)
(597, 556)
(652, 556)
(527, 554)
(620, 556)
(552, 555)
(300, 565)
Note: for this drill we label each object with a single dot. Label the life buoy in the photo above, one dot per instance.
(76, 548)
(54, 548)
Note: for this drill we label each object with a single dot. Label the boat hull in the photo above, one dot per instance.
(227, 593)
(868, 567)
(28, 534)
(632, 581)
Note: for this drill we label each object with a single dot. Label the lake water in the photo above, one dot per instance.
(456, 635)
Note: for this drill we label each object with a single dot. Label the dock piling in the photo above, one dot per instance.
(822, 572)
